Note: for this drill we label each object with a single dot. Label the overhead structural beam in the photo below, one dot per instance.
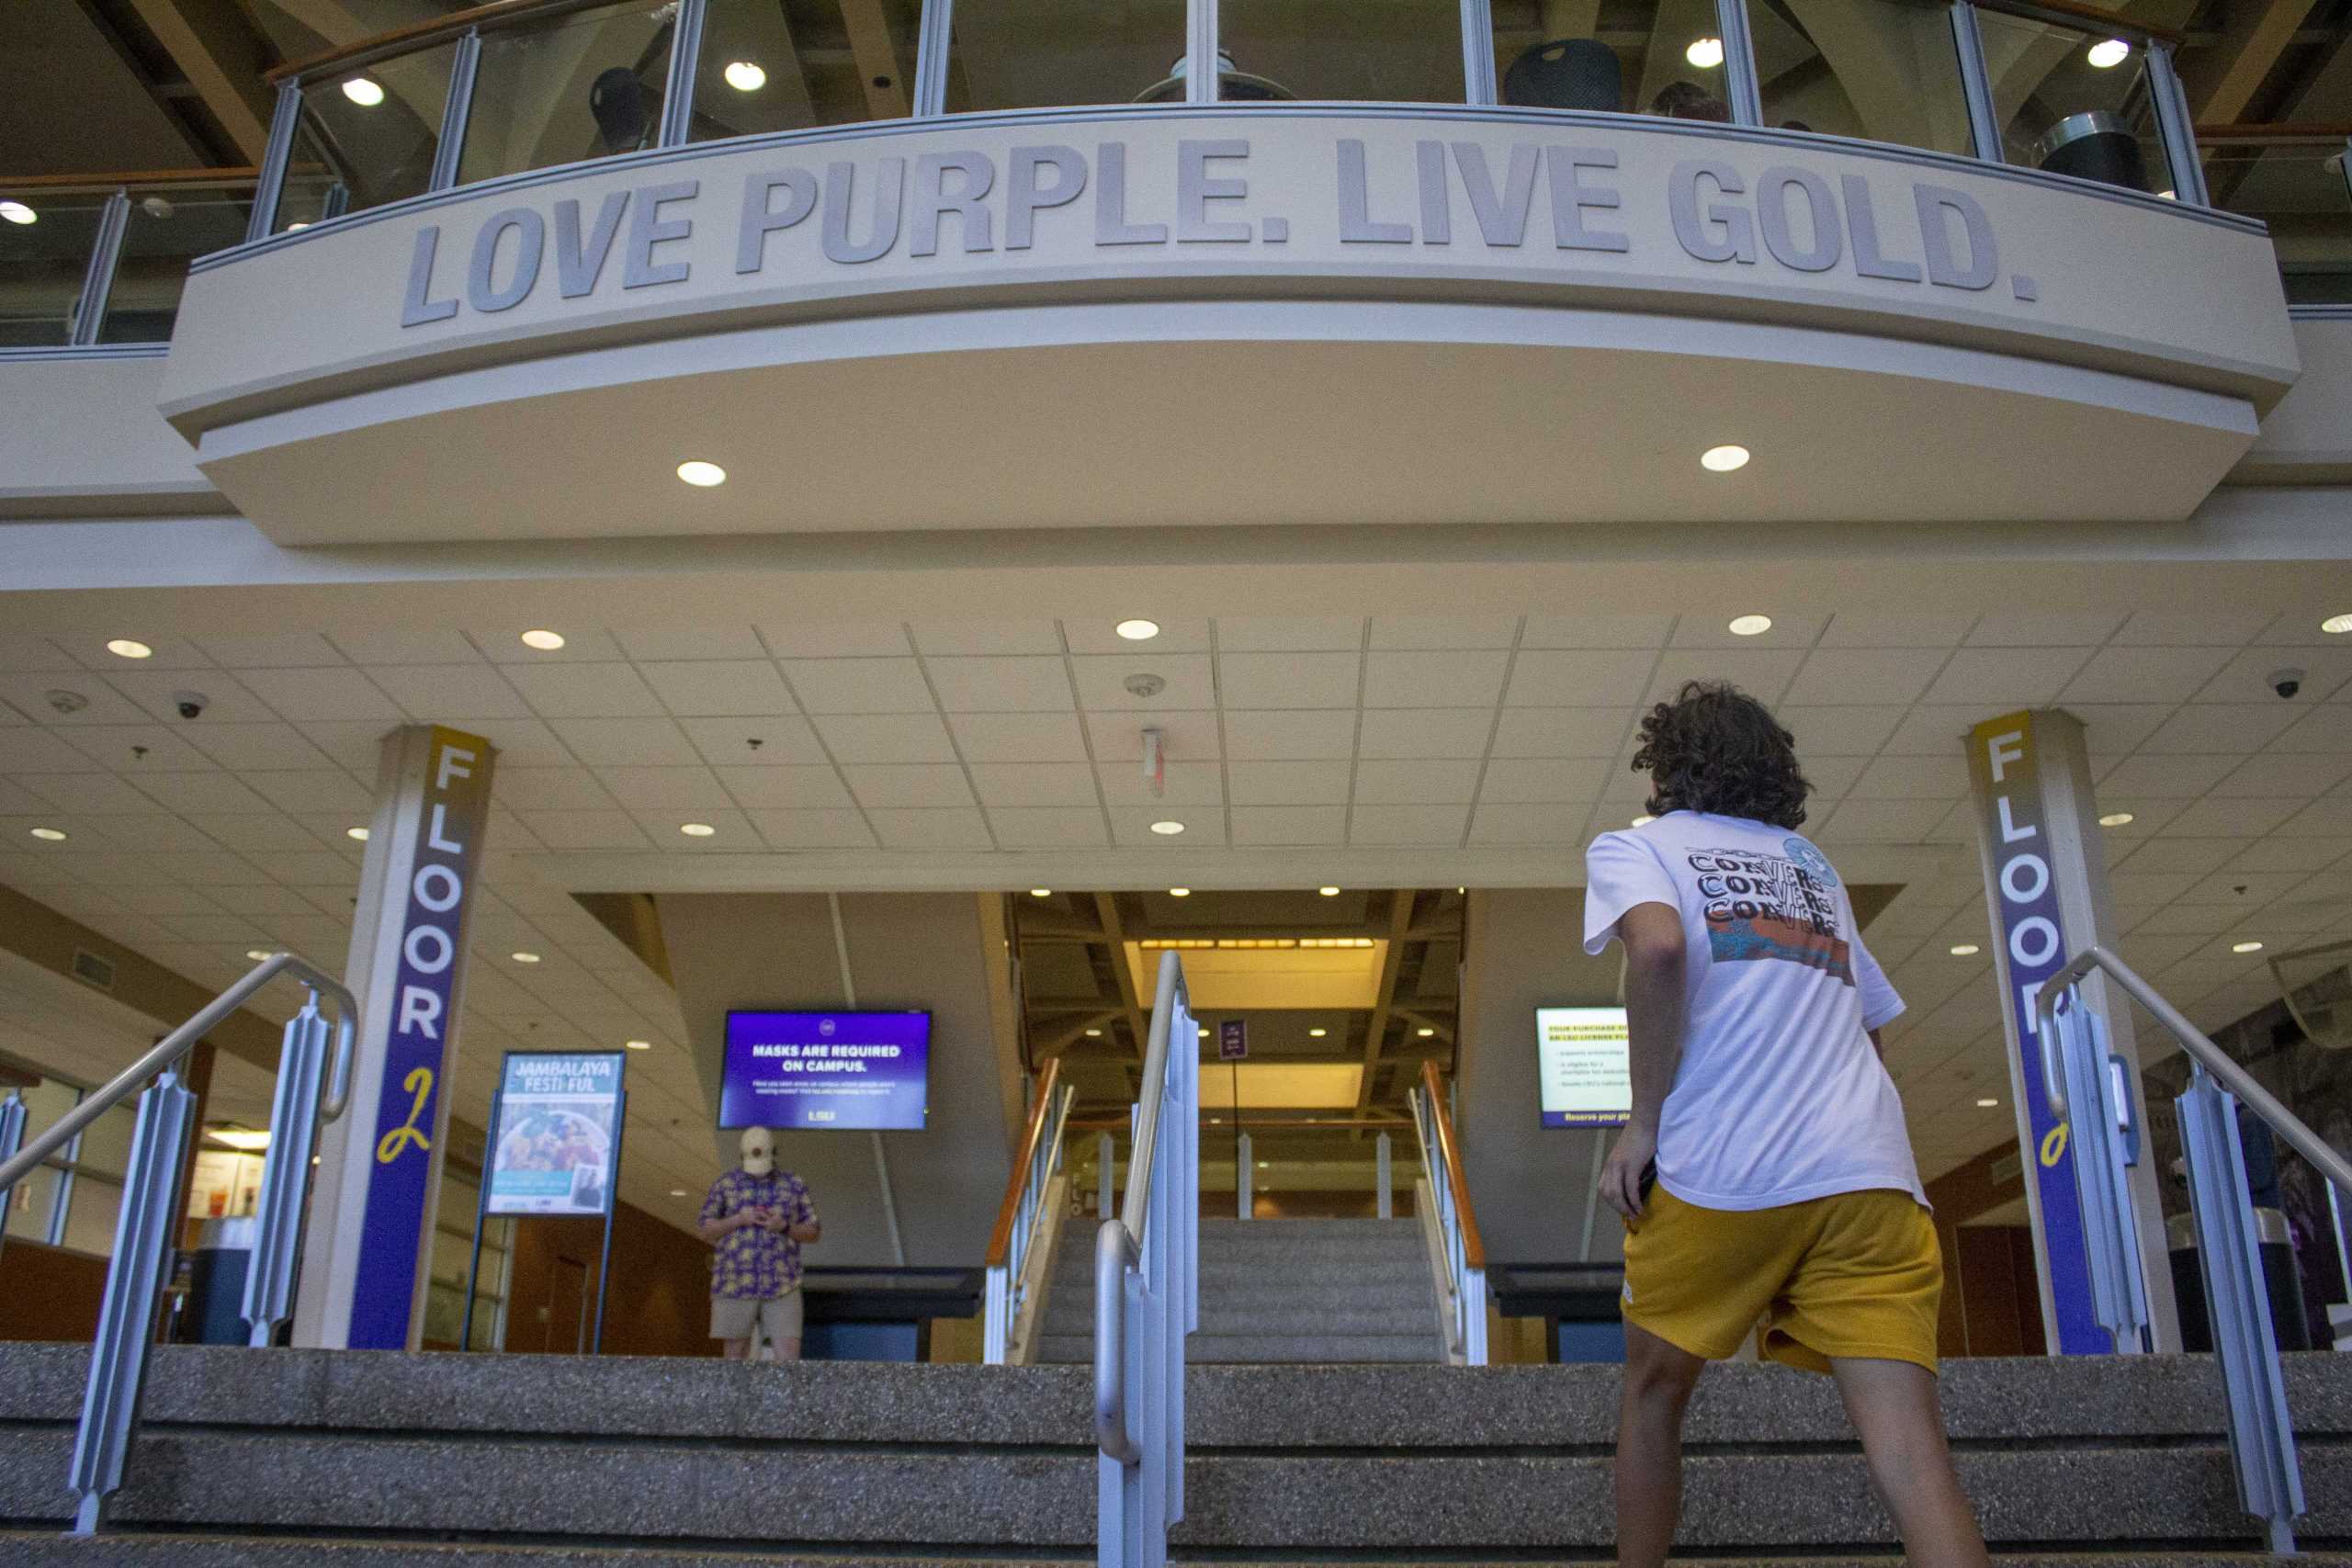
(1400, 921)
(877, 59)
(223, 60)
(2223, 77)
(1114, 933)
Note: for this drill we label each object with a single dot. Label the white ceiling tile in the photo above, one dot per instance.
(1181, 783)
(1841, 731)
(1433, 782)
(988, 637)
(256, 748)
(102, 704)
(1762, 673)
(429, 691)
(1831, 777)
(732, 830)
(1426, 732)
(859, 685)
(1896, 631)
(322, 790)
(2330, 818)
(1913, 778)
(931, 829)
(1011, 683)
(1204, 827)
(2239, 728)
(87, 795)
(1714, 631)
(1287, 634)
(550, 789)
(628, 742)
(2245, 891)
(2305, 855)
(1408, 824)
(1883, 822)
(584, 690)
(2319, 673)
(2115, 729)
(1101, 636)
(767, 743)
(2149, 777)
(2043, 631)
(1560, 732)
(2163, 857)
(1101, 681)
(1596, 631)
(20, 652)
(1542, 781)
(2301, 628)
(2217, 628)
(2186, 919)
(1288, 783)
(1034, 784)
(2140, 674)
(26, 750)
(200, 791)
(1019, 737)
(2006, 676)
(1402, 679)
(1291, 737)
(1288, 680)
(841, 639)
(170, 652)
(406, 645)
(1266, 826)
(339, 694)
(581, 645)
(804, 787)
(15, 800)
(1049, 827)
(1607, 678)
(256, 831)
(1839, 676)
(647, 789)
(217, 868)
(2325, 728)
(812, 829)
(270, 650)
(916, 784)
(697, 643)
(1184, 737)
(1443, 631)
(719, 688)
(2236, 817)
(1499, 824)
(586, 830)
(886, 738)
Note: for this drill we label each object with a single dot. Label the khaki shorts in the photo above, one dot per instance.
(1861, 1274)
(778, 1317)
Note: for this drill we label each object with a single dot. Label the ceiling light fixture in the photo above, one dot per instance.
(639, 1044)
(359, 833)
(2336, 626)
(745, 75)
(1966, 950)
(2109, 54)
(1094, 1034)
(1329, 892)
(1041, 893)
(2245, 947)
(697, 829)
(2116, 819)
(1749, 626)
(125, 647)
(364, 92)
(17, 212)
(247, 1140)
(1723, 459)
(1180, 892)
(525, 957)
(677, 1192)
(1137, 630)
(543, 640)
(701, 475)
(1706, 53)
(1168, 828)
(258, 954)
(1425, 1034)
(1986, 1104)
(1317, 1033)
(1643, 821)
(49, 835)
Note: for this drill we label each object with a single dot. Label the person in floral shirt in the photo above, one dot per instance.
(759, 1218)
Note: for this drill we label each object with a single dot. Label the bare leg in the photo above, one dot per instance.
(734, 1349)
(1658, 1381)
(1893, 1404)
(788, 1349)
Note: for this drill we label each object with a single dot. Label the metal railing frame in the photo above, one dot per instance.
(1147, 1297)
(2073, 1060)
(1024, 1225)
(307, 1097)
(1464, 1285)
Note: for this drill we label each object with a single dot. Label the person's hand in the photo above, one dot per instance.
(775, 1221)
(1621, 1177)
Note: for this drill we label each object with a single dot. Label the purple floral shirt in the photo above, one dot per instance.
(753, 1264)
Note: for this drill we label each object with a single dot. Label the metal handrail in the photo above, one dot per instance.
(1001, 1238)
(1119, 1245)
(425, 34)
(1457, 1179)
(180, 1041)
(1462, 1248)
(2201, 1050)
(1016, 1240)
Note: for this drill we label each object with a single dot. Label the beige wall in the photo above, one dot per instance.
(906, 950)
(83, 436)
(2307, 439)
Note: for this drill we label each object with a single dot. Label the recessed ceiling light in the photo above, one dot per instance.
(1425, 1034)
(125, 647)
(1203, 1032)
(697, 829)
(359, 833)
(1986, 1104)
(1966, 950)
(2108, 53)
(1723, 459)
(677, 1192)
(525, 957)
(1706, 53)
(51, 835)
(296, 227)
(745, 75)
(2336, 626)
(1317, 1033)
(1041, 893)
(639, 1044)
(1643, 821)
(2245, 947)
(1329, 892)
(258, 954)
(2115, 819)
(1749, 626)
(1180, 892)
(17, 212)
(1137, 630)
(1168, 830)
(1094, 1034)
(364, 92)
(248, 1140)
(543, 640)
(700, 474)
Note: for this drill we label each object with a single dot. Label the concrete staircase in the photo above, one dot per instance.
(367, 1460)
(1299, 1291)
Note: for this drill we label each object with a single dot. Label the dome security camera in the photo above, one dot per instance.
(2287, 683)
(191, 704)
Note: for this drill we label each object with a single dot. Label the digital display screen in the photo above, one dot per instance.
(827, 1071)
(1581, 1055)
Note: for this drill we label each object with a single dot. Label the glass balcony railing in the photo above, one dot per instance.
(519, 85)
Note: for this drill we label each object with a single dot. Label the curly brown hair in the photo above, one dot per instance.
(1717, 749)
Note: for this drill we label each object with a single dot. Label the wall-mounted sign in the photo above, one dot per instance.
(1233, 1040)
(553, 1143)
(1583, 1057)
(827, 1071)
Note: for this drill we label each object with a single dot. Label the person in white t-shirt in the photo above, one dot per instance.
(1765, 1175)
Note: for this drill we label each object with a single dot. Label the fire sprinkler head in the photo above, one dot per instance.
(1144, 685)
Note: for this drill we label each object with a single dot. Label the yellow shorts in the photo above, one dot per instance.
(1858, 1274)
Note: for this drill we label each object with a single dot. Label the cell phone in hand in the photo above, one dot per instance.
(1649, 1178)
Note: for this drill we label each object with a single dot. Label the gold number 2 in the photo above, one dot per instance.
(419, 1083)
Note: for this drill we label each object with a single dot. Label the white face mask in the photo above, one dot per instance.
(759, 1151)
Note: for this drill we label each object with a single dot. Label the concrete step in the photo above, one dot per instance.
(1246, 1347)
(1341, 1315)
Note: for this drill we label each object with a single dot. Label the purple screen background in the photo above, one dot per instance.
(834, 1089)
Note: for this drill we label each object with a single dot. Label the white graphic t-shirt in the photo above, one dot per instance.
(1779, 1097)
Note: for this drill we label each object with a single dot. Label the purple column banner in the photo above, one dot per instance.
(451, 813)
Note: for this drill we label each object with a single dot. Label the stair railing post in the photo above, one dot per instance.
(1105, 1170)
(2229, 1256)
(1245, 1179)
(2118, 1292)
(135, 1278)
(286, 1173)
(1387, 1209)
(12, 1138)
